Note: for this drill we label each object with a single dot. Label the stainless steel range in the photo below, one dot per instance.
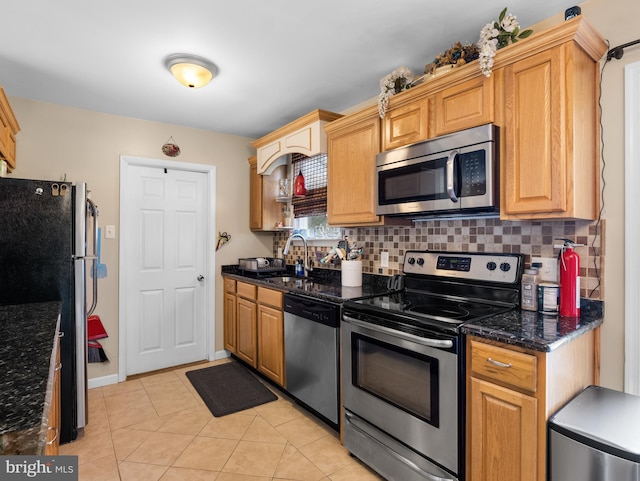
(403, 362)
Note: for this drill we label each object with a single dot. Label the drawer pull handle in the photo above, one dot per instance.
(498, 363)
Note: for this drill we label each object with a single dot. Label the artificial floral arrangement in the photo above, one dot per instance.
(397, 81)
(496, 35)
(456, 56)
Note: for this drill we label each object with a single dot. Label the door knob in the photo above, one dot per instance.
(201, 278)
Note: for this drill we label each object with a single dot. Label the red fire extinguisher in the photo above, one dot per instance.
(569, 276)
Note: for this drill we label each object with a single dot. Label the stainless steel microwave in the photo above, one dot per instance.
(452, 175)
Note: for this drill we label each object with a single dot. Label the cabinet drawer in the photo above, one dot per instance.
(248, 291)
(270, 297)
(504, 365)
(230, 285)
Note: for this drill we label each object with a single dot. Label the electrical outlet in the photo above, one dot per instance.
(384, 259)
(110, 232)
(549, 269)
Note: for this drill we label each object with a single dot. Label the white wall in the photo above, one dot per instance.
(55, 141)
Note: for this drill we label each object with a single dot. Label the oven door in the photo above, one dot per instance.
(403, 385)
(446, 182)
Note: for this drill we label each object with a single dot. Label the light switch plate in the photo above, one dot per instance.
(384, 259)
(549, 269)
(110, 232)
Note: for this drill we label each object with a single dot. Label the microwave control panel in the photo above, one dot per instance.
(473, 172)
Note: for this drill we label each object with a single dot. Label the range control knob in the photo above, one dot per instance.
(491, 266)
(411, 261)
(505, 267)
(420, 261)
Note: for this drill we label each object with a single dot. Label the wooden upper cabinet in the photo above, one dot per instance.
(467, 104)
(9, 128)
(353, 143)
(406, 124)
(550, 165)
(264, 211)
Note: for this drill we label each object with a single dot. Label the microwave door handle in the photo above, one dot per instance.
(450, 176)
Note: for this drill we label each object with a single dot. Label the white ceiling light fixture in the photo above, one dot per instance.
(190, 70)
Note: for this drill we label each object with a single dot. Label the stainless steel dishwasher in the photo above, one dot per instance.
(311, 337)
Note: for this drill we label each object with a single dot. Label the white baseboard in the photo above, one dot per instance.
(113, 378)
(102, 381)
(221, 355)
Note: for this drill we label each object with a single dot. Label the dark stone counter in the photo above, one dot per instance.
(535, 330)
(27, 360)
(322, 284)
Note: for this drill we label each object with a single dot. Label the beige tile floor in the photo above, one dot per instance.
(157, 428)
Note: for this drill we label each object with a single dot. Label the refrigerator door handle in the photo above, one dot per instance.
(93, 211)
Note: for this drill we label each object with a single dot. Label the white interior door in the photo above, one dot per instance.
(165, 302)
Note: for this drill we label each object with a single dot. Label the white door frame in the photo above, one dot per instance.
(125, 162)
(632, 230)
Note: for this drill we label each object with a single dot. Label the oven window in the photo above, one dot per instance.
(403, 378)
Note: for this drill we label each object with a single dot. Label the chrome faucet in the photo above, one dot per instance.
(307, 269)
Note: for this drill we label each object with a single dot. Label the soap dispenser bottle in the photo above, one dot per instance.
(299, 267)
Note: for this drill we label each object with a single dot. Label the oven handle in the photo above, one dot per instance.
(450, 186)
(425, 341)
(424, 474)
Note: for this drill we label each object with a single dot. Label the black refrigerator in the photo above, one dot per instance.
(48, 232)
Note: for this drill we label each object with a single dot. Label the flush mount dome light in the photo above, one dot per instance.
(190, 70)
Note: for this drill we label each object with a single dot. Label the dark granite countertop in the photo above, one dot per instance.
(322, 283)
(535, 330)
(29, 334)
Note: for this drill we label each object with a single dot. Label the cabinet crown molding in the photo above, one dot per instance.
(304, 135)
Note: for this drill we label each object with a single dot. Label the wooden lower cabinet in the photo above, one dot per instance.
(53, 431)
(246, 348)
(511, 393)
(230, 316)
(230, 322)
(254, 327)
(503, 433)
(270, 347)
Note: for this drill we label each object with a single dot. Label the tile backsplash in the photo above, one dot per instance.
(531, 238)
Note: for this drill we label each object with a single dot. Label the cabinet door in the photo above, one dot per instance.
(53, 434)
(230, 324)
(255, 196)
(351, 173)
(406, 124)
(264, 209)
(465, 105)
(271, 343)
(535, 163)
(246, 340)
(502, 431)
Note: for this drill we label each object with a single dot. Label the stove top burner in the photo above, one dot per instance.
(446, 290)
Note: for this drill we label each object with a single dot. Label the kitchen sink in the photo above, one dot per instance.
(280, 279)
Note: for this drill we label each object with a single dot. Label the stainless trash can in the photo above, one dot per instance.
(596, 437)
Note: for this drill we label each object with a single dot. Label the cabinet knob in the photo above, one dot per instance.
(201, 278)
